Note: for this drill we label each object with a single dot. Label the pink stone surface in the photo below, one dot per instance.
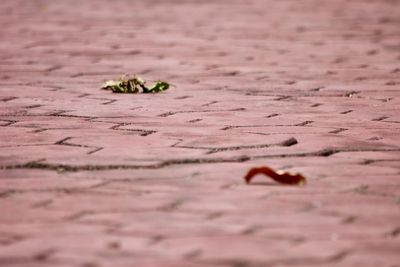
(89, 178)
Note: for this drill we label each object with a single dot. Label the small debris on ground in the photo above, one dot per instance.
(278, 176)
(134, 85)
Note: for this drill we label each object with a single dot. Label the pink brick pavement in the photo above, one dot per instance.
(90, 178)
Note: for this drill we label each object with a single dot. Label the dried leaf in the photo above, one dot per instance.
(158, 86)
(134, 85)
(279, 176)
(109, 84)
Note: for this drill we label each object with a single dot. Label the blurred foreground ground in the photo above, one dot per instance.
(90, 178)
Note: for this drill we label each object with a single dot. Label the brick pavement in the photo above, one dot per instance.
(90, 178)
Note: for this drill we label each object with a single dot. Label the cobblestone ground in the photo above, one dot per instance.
(90, 178)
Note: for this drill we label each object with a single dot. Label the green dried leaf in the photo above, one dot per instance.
(157, 87)
(133, 86)
(108, 84)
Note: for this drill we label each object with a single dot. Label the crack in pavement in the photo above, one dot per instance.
(64, 142)
(211, 150)
(141, 132)
(304, 123)
(91, 167)
(167, 114)
(306, 261)
(8, 122)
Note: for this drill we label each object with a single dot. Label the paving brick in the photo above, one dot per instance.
(91, 178)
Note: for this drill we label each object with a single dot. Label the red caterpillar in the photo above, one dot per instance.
(279, 176)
